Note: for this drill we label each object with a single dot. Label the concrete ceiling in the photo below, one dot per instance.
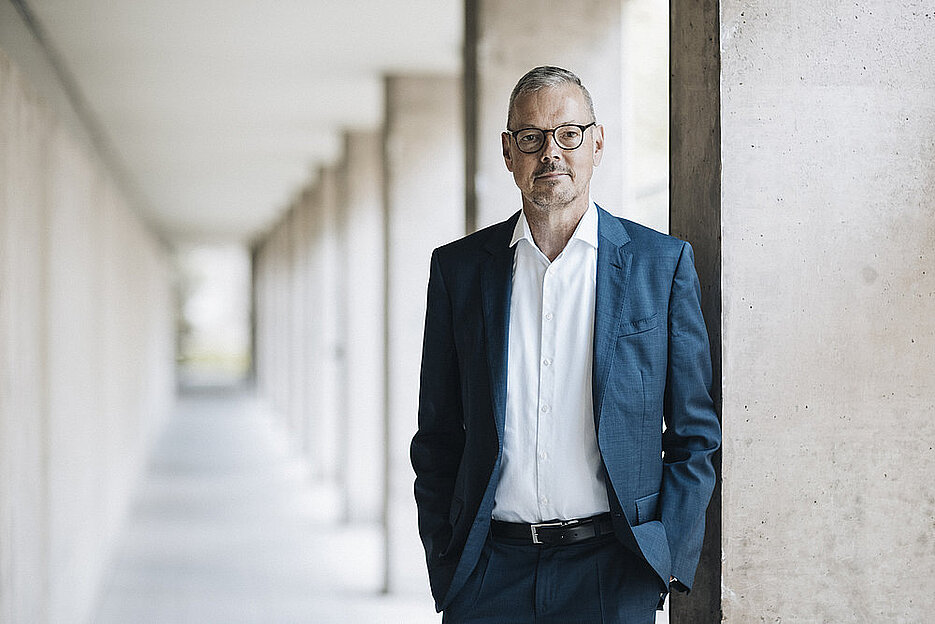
(221, 110)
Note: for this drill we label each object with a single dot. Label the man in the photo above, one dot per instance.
(557, 344)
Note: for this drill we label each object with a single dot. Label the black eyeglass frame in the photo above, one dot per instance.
(545, 136)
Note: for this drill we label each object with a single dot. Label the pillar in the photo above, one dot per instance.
(296, 233)
(324, 295)
(277, 326)
(259, 281)
(695, 216)
(361, 235)
(816, 176)
(424, 178)
(24, 521)
(504, 40)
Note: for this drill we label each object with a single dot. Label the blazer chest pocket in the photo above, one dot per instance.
(646, 508)
(628, 328)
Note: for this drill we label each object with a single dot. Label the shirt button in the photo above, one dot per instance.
(546, 362)
(543, 455)
(548, 316)
(545, 500)
(545, 409)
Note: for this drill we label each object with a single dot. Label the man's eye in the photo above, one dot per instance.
(570, 135)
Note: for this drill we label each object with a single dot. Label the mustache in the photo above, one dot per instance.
(550, 168)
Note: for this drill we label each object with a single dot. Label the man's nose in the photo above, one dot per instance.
(550, 149)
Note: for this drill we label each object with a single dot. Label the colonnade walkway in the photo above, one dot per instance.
(226, 526)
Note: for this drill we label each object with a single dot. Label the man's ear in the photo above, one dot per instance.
(506, 142)
(598, 135)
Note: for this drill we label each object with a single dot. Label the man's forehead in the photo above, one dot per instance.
(566, 101)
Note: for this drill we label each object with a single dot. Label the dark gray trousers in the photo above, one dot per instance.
(596, 581)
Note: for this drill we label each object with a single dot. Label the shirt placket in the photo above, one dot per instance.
(545, 483)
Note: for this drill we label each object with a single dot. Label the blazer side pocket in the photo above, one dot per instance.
(454, 514)
(646, 508)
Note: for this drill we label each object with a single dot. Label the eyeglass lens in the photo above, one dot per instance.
(532, 139)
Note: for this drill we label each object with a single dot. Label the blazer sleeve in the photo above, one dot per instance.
(438, 444)
(692, 433)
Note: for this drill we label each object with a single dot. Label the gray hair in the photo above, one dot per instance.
(544, 77)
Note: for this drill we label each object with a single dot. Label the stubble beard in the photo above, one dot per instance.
(548, 201)
(553, 197)
(556, 194)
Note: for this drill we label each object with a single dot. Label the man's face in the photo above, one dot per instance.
(553, 177)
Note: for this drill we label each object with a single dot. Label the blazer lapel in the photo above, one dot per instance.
(613, 274)
(496, 288)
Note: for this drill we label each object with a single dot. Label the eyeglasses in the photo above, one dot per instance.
(567, 137)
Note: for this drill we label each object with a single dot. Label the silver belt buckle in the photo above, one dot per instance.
(560, 523)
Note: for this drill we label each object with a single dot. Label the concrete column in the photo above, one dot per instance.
(305, 346)
(823, 206)
(282, 339)
(645, 115)
(24, 520)
(272, 322)
(304, 312)
(695, 216)
(324, 433)
(271, 309)
(362, 255)
(298, 234)
(504, 40)
(424, 178)
(828, 223)
(298, 299)
(268, 369)
(260, 297)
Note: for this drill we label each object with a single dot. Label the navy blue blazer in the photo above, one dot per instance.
(651, 365)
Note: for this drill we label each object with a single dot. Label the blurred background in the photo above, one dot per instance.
(216, 220)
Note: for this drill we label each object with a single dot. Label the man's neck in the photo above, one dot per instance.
(552, 227)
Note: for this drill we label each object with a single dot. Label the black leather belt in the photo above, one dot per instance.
(556, 532)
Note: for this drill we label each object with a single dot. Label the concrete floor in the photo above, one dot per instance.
(227, 527)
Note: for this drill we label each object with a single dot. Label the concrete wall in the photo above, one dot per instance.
(86, 357)
(828, 277)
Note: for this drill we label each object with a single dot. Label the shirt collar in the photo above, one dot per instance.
(586, 231)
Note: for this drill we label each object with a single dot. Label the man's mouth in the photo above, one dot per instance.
(551, 173)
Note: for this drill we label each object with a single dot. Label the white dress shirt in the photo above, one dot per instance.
(551, 466)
